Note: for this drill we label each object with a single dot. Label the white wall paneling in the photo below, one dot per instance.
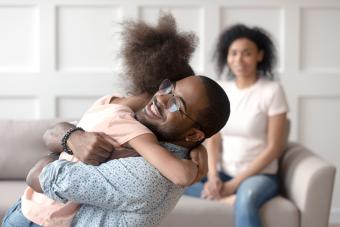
(19, 44)
(87, 38)
(320, 40)
(24, 107)
(73, 107)
(58, 56)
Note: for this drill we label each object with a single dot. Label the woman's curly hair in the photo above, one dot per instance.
(257, 35)
(152, 54)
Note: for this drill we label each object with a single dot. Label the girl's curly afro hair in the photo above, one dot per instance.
(152, 54)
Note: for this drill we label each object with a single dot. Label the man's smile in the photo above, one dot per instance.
(152, 110)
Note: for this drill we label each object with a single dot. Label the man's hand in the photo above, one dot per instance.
(32, 178)
(200, 158)
(92, 147)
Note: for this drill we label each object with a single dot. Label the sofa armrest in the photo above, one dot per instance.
(308, 182)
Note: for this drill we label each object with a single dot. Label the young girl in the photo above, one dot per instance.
(150, 55)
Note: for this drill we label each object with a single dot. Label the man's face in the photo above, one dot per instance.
(172, 126)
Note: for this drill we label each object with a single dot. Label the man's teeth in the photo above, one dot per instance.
(154, 110)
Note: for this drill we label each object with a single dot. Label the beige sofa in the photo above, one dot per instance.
(307, 183)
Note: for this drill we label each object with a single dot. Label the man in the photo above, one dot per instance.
(129, 191)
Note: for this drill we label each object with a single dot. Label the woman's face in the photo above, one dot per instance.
(243, 57)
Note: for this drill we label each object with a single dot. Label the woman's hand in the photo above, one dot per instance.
(229, 187)
(212, 188)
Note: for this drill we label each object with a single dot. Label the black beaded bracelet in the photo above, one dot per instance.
(66, 137)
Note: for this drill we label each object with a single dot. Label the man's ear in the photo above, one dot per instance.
(194, 135)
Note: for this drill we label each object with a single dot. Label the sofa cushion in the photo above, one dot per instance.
(202, 213)
(196, 212)
(21, 146)
(10, 191)
(280, 212)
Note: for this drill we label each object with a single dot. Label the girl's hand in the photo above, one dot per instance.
(199, 156)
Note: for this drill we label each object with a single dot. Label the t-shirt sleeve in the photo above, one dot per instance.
(126, 129)
(278, 102)
(101, 101)
(122, 126)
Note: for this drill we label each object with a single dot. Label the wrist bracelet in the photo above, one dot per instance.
(66, 137)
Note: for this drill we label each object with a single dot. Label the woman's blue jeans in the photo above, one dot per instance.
(250, 196)
(15, 218)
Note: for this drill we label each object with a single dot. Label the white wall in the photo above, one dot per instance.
(58, 56)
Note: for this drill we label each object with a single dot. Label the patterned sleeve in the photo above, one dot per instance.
(117, 184)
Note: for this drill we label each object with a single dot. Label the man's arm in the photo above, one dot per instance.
(86, 144)
(53, 136)
(32, 178)
(119, 184)
(89, 147)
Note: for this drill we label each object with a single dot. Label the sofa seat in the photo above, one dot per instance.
(10, 191)
(202, 213)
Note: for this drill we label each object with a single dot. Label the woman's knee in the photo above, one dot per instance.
(256, 189)
(246, 198)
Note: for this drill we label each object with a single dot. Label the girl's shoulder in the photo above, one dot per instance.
(134, 102)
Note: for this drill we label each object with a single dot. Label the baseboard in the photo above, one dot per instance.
(335, 216)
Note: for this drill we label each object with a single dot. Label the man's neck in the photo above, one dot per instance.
(185, 144)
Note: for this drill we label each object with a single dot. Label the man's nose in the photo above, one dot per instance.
(162, 100)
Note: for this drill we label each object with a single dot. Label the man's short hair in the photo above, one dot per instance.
(216, 114)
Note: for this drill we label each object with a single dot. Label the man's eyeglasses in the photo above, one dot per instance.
(174, 103)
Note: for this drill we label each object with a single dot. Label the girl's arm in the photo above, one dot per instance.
(200, 157)
(179, 171)
(273, 150)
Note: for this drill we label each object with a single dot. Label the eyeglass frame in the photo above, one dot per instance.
(171, 91)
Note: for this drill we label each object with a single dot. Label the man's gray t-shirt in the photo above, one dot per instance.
(122, 192)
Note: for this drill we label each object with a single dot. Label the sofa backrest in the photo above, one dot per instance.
(21, 145)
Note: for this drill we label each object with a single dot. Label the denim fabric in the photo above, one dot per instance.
(196, 189)
(15, 218)
(250, 196)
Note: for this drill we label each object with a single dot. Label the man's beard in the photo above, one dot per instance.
(161, 135)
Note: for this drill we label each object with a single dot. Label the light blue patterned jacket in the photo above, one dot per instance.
(123, 192)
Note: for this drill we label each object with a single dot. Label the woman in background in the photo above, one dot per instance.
(248, 147)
